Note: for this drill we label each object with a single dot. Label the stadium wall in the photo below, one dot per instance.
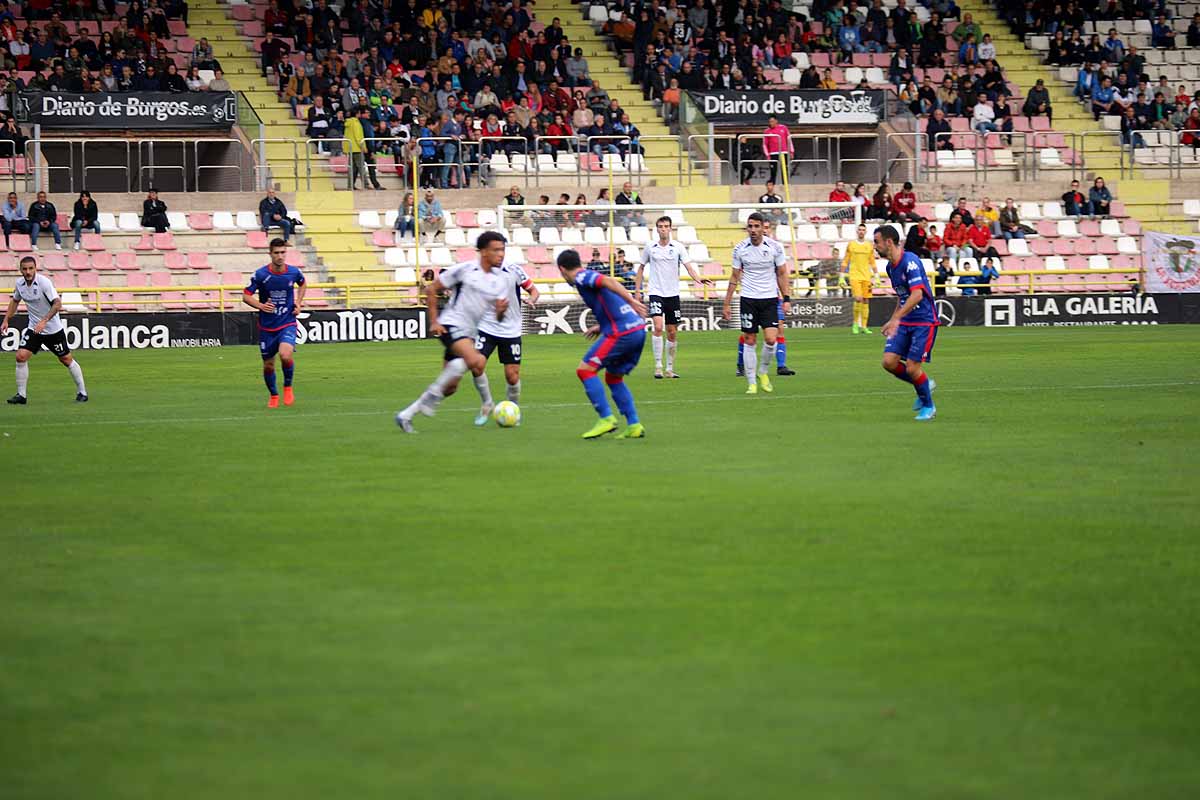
(100, 331)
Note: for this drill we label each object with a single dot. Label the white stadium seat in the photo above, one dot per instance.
(394, 257)
(178, 220)
(368, 219)
(405, 275)
(129, 221)
(223, 221)
(249, 221)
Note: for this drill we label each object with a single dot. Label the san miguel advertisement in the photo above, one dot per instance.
(128, 111)
(792, 107)
(139, 331)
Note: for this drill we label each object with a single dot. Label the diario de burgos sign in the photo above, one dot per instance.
(143, 110)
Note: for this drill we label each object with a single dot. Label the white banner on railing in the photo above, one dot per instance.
(1172, 262)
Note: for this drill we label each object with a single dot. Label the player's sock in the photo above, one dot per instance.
(671, 355)
(902, 373)
(289, 369)
(741, 346)
(269, 378)
(922, 385)
(864, 311)
(76, 373)
(485, 389)
(751, 362)
(595, 392)
(780, 352)
(657, 341)
(22, 377)
(513, 393)
(768, 357)
(622, 397)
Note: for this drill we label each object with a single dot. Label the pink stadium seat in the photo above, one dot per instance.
(1020, 124)
(197, 259)
(380, 238)
(54, 261)
(103, 260)
(1131, 227)
(92, 242)
(1085, 246)
(164, 241)
(258, 239)
(822, 250)
(19, 243)
(1041, 247)
(295, 257)
(174, 260)
(713, 268)
(1077, 262)
(466, 254)
(466, 219)
(200, 222)
(255, 29)
(1089, 227)
(233, 279)
(1106, 246)
(64, 221)
(1047, 229)
(1117, 209)
(537, 255)
(1040, 124)
(1000, 245)
(126, 260)
(242, 13)
(177, 27)
(338, 164)
(1064, 247)
(160, 279)
(79, 261)
(144, 243)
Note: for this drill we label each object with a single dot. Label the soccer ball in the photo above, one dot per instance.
(507, 414)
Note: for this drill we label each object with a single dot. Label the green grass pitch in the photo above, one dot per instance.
(799, 595)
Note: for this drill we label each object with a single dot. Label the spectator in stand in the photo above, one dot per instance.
(273, 51)
(771, 197)
(983, 118)
(915, 240)
(1037, 102)
(218, 83)
(827, 81)
(272, 213)
(1162, 34)
(1100, 199)
(987, 49)
(980, 236)
(1075, 203)
(86, 215)
(944, 273)
(949, 103)
(628, 196)
(1130, 125)
(405, 225)
(904, 204)
(43, 218)
(966, 28)
(1104, 99)
(154, 213)
(777, 142)
(990, 214)
(961, 209)
(14, 217)
(1193, 31)
(934, 242)
(433, 221)
(202, 55)
(1010, 221)
(881, 204)
(955, 237)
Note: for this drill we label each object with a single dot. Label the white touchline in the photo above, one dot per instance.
(733, 398)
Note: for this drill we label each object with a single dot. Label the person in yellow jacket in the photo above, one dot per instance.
(356, 136)
(859, 265)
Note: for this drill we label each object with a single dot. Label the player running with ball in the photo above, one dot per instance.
(276, 291)
(621, 330)
(477, 287)
(760, 266)
(912, 329)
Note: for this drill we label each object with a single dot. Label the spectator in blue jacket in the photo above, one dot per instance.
(13, 217)
(274, 214)
(1162, 34)
(1100, 198)
(1103, 99)
(849, 39)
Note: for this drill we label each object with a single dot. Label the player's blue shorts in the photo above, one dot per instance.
(269, 341)
(617, 354)
(912, 342)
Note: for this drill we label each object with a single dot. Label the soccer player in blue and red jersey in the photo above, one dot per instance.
(276, 291)
(912, 329)
(621, 330)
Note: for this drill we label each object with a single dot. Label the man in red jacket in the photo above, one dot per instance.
(777, 139)
(955, 237)
(904, 204)
(980, 236)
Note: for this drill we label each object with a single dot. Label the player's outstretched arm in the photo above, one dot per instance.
(8, 314)
(614, 285)
(534, 295)
(691, 270)
(637, 280)
(735, 278)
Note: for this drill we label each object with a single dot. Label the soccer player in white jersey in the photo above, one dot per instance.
(661, 260)
(475, 287)
(45, 329)
(505, 334)
(760, 266)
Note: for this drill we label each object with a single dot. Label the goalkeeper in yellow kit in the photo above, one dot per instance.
(859, 265)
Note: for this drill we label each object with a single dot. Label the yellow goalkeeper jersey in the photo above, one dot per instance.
(861, 258)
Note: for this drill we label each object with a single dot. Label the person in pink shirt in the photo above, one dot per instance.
(776, 139)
